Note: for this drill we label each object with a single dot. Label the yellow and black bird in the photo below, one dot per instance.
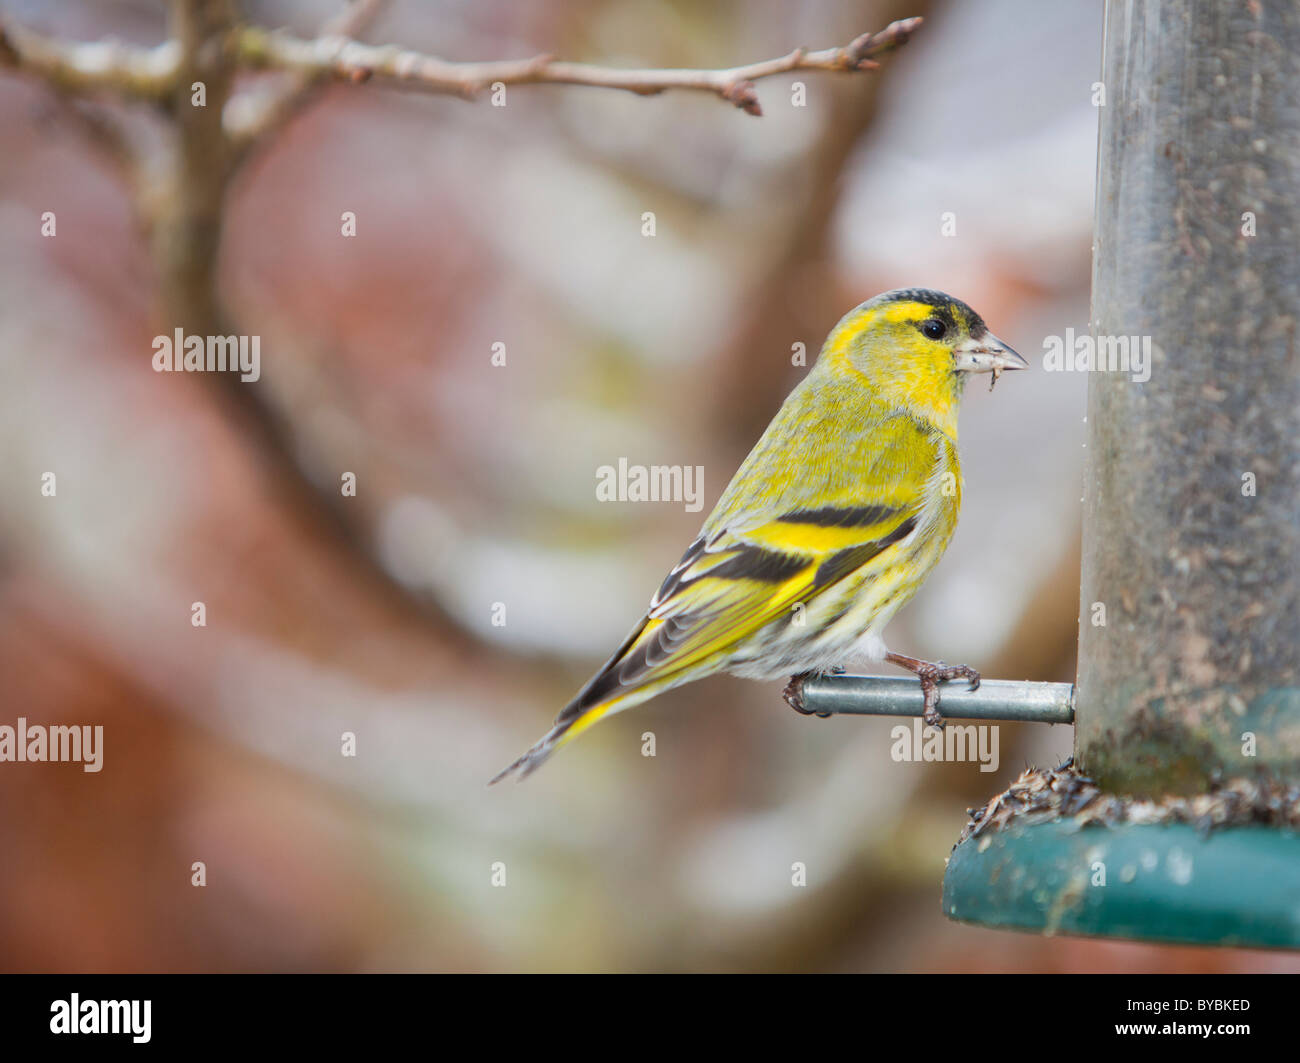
(838, 515)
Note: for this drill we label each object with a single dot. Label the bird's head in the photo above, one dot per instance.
(915, 348)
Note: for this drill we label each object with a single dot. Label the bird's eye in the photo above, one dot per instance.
(933, 328)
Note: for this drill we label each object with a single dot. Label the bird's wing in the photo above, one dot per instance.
(788, 548)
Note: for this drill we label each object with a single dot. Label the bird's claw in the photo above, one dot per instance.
(793, 694)
(931, 675)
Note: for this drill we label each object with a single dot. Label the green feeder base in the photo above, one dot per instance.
(1151, 882)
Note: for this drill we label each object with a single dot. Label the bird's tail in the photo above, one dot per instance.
(568, 725)
(592, 704)
(610, 690)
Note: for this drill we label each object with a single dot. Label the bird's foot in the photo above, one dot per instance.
(931, 674)
(793, 694)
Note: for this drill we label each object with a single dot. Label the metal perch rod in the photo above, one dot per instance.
(887, 695)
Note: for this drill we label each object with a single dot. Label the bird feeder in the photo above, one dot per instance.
(1187, 702)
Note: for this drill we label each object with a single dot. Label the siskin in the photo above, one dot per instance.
(830, 526)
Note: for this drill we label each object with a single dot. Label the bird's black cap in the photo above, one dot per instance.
(952, 312)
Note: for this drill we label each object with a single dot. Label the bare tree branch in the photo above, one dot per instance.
(186, 220)
(152, 74)
(88, 67)
(255, 114)
(343, 59)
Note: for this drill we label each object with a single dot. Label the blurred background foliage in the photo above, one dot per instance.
(476, 485)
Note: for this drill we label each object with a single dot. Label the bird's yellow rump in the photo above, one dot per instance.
(837, 516)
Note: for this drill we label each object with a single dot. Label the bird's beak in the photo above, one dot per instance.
(986, 354)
